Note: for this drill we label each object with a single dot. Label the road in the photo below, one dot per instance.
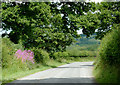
(73, 73)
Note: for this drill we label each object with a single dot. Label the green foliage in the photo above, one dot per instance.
(109, 51)
(69, 9)
(83, 47)
(41, 56)
(77, 53)
(65, 54)
(58, 55)
(52, 41)
(108, 58)
(101, 20)
(106, 74)
(44, 30)
(8, 51)
(10, 63)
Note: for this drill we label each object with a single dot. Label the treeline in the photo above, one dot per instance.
(83, 40)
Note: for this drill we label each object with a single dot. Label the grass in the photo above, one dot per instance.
(0, 75)
(106, 74)
(51, 64)
(15, 75)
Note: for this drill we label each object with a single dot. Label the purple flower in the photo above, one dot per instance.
(29, 51)
(25, 55)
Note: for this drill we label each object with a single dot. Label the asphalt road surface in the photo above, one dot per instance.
(76, 73)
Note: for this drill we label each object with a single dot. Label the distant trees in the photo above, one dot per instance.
(83, 40)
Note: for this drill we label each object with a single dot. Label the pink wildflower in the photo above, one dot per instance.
(25, 55)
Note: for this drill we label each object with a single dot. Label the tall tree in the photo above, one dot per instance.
(44, 25)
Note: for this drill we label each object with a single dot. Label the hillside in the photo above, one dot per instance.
(87, 41)
(84, 43)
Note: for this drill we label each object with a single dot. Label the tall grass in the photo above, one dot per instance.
(0, 58)
(106, 74)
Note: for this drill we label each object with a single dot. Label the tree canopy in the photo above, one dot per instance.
(106, 17)
(39, 24)
(53, 26)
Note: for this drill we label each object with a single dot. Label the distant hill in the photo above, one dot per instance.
(83, 43)
(86, 41)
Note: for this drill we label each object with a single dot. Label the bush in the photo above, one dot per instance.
(58, 55)
(73, 53)
(41, 56)
(109, 51)
(9, 61)
(65, 54)
(108, 59)
(8, 51)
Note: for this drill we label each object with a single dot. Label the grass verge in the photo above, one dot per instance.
(8, 77)
(106, 74)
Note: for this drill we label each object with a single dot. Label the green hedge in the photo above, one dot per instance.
(41, 56)
(108, 58)
(8, 58)
(109, 51)
(58, 55)
(77, 53)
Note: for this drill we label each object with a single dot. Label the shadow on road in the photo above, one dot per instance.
(81, 66)
(55, 81)
(87, 65)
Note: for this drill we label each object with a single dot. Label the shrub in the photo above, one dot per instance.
(108, 58)
(109, 51)
(65, 54)
(9, 61)
(41, 56)
(58, 55)
(8, 51)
